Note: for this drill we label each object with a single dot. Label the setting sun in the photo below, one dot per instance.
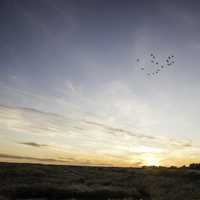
(151, 161)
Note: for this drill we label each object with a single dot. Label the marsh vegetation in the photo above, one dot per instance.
(33, 181)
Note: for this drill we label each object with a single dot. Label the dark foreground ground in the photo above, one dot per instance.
(27, 181)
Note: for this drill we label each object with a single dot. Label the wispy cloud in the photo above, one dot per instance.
(32, 121)
(163, 140)
(63, 160)
(181, 143)
(16, 157)
(119, 131)
(33, 144)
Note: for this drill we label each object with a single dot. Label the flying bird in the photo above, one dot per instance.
(152, 56)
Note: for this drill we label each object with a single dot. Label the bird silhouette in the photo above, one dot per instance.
(152, 56)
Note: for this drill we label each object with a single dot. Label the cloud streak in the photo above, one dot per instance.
(48, 160)
(65, 160)
(33, 144)
(119, 131)
(32, 121)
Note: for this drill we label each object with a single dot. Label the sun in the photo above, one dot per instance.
(151, 161)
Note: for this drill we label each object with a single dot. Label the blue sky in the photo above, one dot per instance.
(71, 90)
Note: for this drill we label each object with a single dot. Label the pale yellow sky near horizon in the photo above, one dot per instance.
(76, 138)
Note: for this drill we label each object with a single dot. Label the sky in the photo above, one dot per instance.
(72, 90)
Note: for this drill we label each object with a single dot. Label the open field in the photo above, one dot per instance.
(32, 181)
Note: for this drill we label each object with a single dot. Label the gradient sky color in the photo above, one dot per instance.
(72, 92)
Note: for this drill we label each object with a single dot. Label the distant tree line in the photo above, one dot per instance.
(194, 166)
(191, 166)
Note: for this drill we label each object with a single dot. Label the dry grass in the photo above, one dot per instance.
(25, 181)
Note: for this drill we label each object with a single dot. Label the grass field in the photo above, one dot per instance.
(34, 181)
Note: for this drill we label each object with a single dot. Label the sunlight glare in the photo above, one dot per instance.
(151, 161)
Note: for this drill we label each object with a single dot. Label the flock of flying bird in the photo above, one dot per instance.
(158, 67)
